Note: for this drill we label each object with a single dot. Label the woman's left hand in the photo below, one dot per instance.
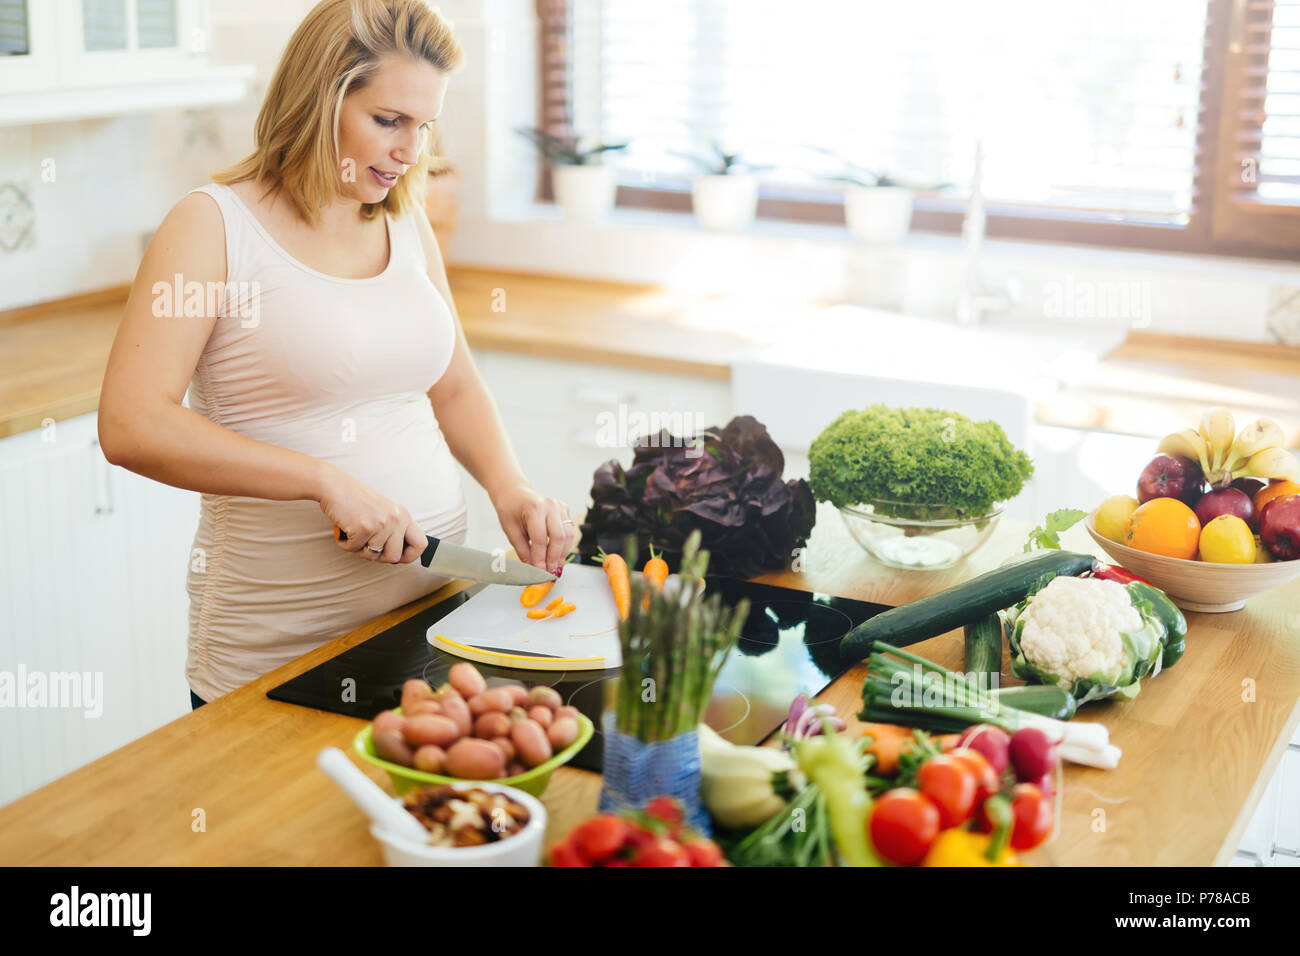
(538, 528)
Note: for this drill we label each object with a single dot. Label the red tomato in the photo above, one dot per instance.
(564, 854)
(986, 779)
(903, 824)
(599, 838)
(666, 809)
(663, 852)
(950, 786)
(703, 853)
(1033, 816)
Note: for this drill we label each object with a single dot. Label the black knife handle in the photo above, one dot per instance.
(430, 549)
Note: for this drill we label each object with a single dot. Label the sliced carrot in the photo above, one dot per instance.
(530, 595)
(538, 613)
(619, 582)
(555, 603)
(564, 609)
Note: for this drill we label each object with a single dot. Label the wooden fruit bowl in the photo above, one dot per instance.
(1198, 585)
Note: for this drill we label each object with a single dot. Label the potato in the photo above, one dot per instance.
(515, 769)
(492, 724)
(541, 714)
(414, 690)
(391, 746)
(454, 707)
(387, 720)
(472, 759)
(430, 759)
(563, 732)
(506, 746)
(490, 700)
(546, 696)
(567, 711)
(517, 714)
(530, 742)
(423, 707)
(431, 729)
(518, 693)
(466, 679)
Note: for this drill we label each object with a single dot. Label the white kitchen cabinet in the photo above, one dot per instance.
(28, 46)
(92, 575)
(566, 418)
(72, 59)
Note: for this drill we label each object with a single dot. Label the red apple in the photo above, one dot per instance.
(1250, 486)
(1279, 527)
(1171, 476)
(1226, 501)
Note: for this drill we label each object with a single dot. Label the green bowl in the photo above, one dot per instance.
(533, 781)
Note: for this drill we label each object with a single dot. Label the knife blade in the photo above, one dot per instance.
(449, 559)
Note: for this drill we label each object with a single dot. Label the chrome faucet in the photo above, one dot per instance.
(979, 298)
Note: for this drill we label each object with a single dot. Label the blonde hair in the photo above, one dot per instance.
(334, 51)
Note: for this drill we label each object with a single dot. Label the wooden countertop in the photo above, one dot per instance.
(52, 356)
(235, 782)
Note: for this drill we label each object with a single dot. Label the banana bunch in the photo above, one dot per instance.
(1225, 454)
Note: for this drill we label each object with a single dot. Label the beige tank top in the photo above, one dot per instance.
(338, 369)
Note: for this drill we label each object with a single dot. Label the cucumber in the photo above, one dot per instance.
(960, 604)
(1045, 699)
(983, 641)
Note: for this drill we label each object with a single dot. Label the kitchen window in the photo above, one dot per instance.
(1166, 124)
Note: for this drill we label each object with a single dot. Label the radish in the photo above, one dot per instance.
(1033, 754)
(991, 742)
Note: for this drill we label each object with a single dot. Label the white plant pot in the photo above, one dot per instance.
(585, 193)
(725, 203)
(878, 214)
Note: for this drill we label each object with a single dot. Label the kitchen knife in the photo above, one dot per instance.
(448, 559)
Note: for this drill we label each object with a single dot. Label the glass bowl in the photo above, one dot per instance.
(917, 537)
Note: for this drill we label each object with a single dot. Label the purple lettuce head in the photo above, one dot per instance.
(728, 485)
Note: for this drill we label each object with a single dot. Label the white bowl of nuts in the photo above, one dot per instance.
(469, 824)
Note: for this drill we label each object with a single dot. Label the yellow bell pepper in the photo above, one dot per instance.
(957, 847)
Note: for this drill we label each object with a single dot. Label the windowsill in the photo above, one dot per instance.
(628, 220)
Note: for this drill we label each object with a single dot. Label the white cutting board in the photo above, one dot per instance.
(492, 627)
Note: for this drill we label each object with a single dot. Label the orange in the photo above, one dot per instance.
(1226, 539)
(1164, 526)
(1272, 490)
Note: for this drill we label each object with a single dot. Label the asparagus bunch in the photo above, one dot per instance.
(673, 649)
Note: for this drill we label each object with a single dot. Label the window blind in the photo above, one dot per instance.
(13, 28)
(1086, 108)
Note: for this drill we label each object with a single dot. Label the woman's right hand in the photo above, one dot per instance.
(377, 529)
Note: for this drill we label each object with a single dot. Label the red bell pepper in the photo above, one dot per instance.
(1112, 572)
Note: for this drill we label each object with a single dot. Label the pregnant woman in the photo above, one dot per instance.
(302, 300)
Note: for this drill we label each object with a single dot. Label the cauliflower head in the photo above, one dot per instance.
(1072, 629)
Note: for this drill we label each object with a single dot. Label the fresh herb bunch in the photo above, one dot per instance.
(913, 456)
(680, 642)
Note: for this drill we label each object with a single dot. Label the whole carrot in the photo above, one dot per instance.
(655, 573)
(530, 595)
(619, 582)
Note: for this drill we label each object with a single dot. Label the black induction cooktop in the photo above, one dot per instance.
(790, 645)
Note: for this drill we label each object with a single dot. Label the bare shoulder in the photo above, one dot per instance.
(194, 233)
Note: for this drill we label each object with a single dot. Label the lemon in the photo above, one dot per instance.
(1262, 554)
(1113, 514)
(1227, 540)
